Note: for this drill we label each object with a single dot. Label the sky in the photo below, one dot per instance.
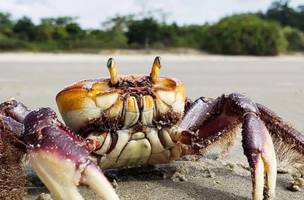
(92, 13)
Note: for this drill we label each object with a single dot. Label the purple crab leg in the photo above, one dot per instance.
(60, 158)
(259, 150)
(211, 121)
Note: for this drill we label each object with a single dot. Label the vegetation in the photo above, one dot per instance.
(295, 39)
(277, 30)
(281, 12)
(245, 34)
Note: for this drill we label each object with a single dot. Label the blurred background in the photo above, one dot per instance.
(237, 27)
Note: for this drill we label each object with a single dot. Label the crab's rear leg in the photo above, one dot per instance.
(209, 121)
(59, 157)
(288, 142)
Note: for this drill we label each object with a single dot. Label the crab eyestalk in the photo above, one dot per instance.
(112, 67)
(155, 69)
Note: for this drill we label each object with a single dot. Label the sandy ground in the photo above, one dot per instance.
(274, 81)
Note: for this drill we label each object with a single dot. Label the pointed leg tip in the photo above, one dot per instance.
(259, 149)
(94, 178)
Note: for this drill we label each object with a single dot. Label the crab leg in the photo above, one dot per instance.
(288, 142)
(209, 121)
(59, 157)
(95, 179)
(259, 150)
(12, 178)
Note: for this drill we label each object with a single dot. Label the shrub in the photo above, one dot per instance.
(295, 39)
(49, 45)
(245, 35)
(7, 43)
(191, 36)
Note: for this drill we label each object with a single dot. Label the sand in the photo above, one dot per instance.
(277, 82)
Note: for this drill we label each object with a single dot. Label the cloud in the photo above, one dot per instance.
(92, 12)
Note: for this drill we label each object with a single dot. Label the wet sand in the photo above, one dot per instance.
(277, 82)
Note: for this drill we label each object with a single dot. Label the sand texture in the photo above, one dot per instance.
(277, 82)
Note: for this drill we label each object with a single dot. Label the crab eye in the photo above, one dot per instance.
(155, 69)
(112, 67)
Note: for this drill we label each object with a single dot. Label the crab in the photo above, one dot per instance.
(137, 120)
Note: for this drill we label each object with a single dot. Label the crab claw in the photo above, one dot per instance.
(61, 159)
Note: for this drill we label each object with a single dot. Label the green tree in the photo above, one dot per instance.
(192, 36)
(44, 33)
(60, 33)
(114, 34)
(45, 30)
(74, 31)
(6, 24)
(245, 34)
(25, 29)
(282, 12)
(143, 33)
(63, 21)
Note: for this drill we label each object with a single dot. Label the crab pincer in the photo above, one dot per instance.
(58, 156)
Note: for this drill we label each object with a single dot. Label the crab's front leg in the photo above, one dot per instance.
(59, 157)
(209, 121)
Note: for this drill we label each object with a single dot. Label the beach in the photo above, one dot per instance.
(277, 82)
